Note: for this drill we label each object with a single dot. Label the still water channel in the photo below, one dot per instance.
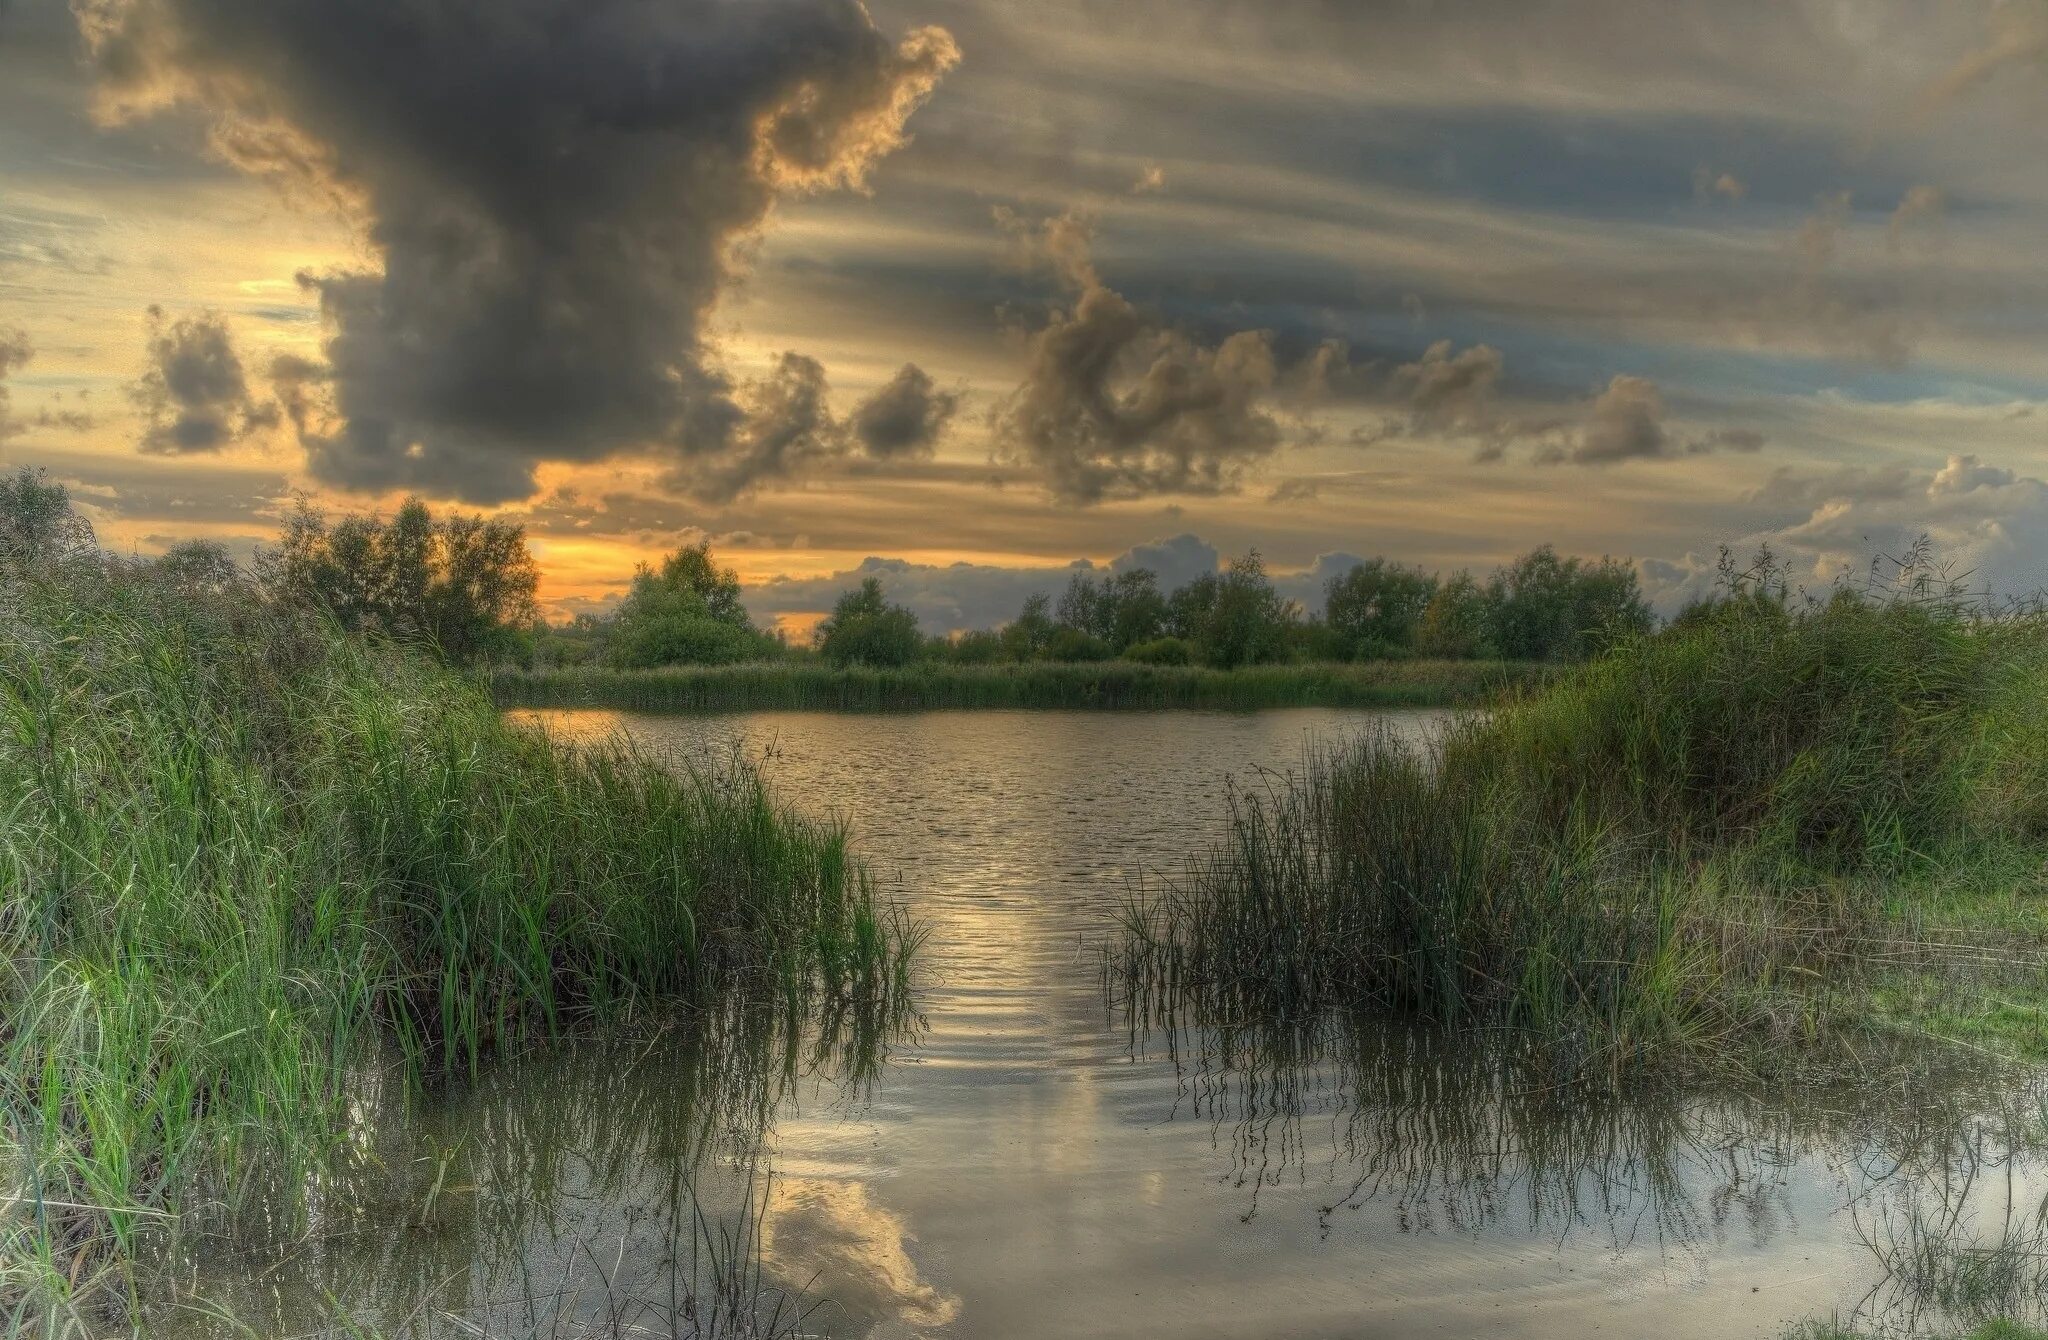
(1024, 1163)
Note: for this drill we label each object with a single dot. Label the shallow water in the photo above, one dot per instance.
(1025, 1165)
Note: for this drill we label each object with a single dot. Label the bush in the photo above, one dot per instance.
(1073, 645)
(1162, 651)
(977, 646)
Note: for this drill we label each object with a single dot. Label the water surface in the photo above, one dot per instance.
(1024, 1164)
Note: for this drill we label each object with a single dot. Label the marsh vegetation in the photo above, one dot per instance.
(1776, 816)
(252, 861)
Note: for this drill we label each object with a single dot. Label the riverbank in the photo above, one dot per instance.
(253, 865)
(1764, 825)
(814, 686)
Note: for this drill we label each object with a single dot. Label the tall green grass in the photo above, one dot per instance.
(1671, 844)
(243, 857)
(1099, 684)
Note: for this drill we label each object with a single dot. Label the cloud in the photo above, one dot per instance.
(906, 417)
(15, 350)
(946, 597)
(1985, 521)
(553, 189)
(786, 425)
(1707, 183)
(787, 429)
(1151, 181)
(1625, 422)
(1114, 404)
(1300, 488)
(15, 353)
(1919, 214)
(195, 396)
(949, 597)
(1457, 395)
(1840, 314)
(1176, 560)
(2018, 36)
(1450, 393)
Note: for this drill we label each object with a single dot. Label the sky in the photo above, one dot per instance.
(969, 293)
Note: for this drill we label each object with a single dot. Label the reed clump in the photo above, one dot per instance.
(244, 856)
(1695, 838)
(818, 686)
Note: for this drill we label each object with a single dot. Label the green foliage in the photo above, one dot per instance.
(687, 613)
(200, 565)
(1026, 637)
(1162, 651)
(977, 646)
(1835, 1330)
(1235, 617)
(1376, 609)
(865, 629)
(1457, 621)
(1072, 645)
(460, 583)
(247, 857)
(1545, 608)
(38, 525)
(1120, 610)
(1653, 849)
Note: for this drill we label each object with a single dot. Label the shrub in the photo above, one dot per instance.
(1072, 645)
(1162, 651)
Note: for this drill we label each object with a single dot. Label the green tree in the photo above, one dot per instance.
(38, 524)
(1234, 617)
(865, 629)
(200, 565)
(466, 584)
(687, 612)
(1376, 608)
(1456, 624)
(1123, 609)
(1547, 608)
(1026, 637)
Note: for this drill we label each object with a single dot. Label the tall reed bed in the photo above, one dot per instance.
(241, 855)
(1675, 843)
(1100, 684)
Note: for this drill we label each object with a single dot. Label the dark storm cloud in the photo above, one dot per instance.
(787, 429)
(906, 417)
(195, 394)
(1115, 404)
(554, 187)
(786, 425)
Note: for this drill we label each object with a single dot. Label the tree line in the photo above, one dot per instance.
(1541, 607)
(467, 585)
